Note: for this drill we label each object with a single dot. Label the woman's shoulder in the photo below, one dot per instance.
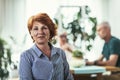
(27, 53)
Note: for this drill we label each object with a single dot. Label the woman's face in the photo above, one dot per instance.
(40, 33)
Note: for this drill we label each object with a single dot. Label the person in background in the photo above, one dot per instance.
(43, 61)
(63, 41)
(65, 45)
(111, 48)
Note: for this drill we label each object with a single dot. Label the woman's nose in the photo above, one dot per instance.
(40, 30)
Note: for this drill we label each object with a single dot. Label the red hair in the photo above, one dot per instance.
(44, 19)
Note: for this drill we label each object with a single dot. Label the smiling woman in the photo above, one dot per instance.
(43, 61)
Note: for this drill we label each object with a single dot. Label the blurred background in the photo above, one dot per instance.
(15, 13)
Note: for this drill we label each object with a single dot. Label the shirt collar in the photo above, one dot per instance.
(39, 52)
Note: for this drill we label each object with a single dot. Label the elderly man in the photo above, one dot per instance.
(111, 49)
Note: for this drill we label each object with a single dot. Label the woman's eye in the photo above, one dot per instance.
(35, 28)
(44, 28)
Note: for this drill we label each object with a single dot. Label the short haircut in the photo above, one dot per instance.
(104, 23)
(44, 19)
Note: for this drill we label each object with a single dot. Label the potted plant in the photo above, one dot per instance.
(77, 54)
(5, 59)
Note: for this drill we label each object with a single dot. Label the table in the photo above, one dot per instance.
(84, 73)
(112, 69)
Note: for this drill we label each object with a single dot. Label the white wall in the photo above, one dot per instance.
(48, 6)
(2, 14)
(114, 17)
(110, 12)
(12, 18)
(15, 13)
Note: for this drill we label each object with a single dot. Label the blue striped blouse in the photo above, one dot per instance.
(34, 65)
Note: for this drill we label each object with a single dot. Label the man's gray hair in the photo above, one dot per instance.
(105, 23)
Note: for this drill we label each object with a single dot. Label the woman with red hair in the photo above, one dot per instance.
(43, 61)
